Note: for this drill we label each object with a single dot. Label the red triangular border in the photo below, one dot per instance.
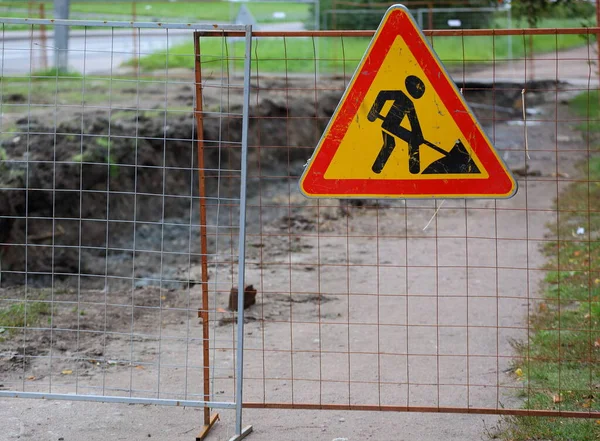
(398, 21)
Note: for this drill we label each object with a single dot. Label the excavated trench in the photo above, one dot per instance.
(88, 204)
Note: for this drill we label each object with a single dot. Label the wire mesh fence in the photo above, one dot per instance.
(423, 305)
(457, 306)
(111, 221)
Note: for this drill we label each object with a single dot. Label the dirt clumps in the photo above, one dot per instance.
(97, 186)
(82, 175)
(97, 181)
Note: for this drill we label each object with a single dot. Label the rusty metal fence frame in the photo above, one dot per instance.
(525, 35)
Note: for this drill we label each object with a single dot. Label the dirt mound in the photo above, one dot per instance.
(97, 183)
(85, 182)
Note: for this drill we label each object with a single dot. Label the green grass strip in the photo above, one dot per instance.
(561, 360)
(21, 315)
(336, 55)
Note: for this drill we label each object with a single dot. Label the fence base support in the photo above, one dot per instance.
(206, 428)
(247, 431)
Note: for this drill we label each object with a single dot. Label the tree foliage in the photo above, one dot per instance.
(367, 14)
(533, 11)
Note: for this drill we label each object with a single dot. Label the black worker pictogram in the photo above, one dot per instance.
(456, 160)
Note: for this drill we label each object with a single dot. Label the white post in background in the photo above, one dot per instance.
(61, 36)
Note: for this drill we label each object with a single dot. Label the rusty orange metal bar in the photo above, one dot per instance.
(43, 39)
(425, 409)
(598, 39)
(316, 264)
(428, 33)
(430, 15)
(203, 313)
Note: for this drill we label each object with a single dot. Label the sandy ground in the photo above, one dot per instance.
(398, 304)
(574, 65)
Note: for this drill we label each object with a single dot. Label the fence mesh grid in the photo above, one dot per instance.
(471, 306)
(101, 285)
(462, 306)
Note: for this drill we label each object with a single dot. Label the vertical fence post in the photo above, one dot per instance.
(239, 368)
(43, 41)
(531, 60)
(333, 16)
(430, 16)
(203, 312)
(598, 36)
(135, 54)
(61, 36)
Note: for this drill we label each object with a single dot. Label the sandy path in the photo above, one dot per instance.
(574, 65)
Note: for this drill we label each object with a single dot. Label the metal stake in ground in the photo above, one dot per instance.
(209, 420)
(61, 36)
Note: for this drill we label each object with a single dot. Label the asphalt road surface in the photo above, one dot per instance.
(93, 51)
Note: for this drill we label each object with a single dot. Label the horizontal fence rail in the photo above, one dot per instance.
(426, 32)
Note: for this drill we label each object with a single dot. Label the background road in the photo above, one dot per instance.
(95, 51)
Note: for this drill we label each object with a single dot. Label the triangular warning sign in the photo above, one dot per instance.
(403, 130)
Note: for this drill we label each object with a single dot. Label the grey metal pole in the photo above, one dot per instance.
(61, 36)
(239, 368)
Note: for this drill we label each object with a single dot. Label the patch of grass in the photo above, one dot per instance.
(22, 314)
(218, 11)
(4, 167)
(53, 73)
(586, 105)
(561, 360)
(130, 115)
(336, 54)
(3, 158)
(120, 114)
(70, 89)
(99, 156)
(75, 310)
(194, 11)
(103, 142)
(555, 429)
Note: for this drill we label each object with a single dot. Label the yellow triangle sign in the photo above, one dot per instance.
(403, 130)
